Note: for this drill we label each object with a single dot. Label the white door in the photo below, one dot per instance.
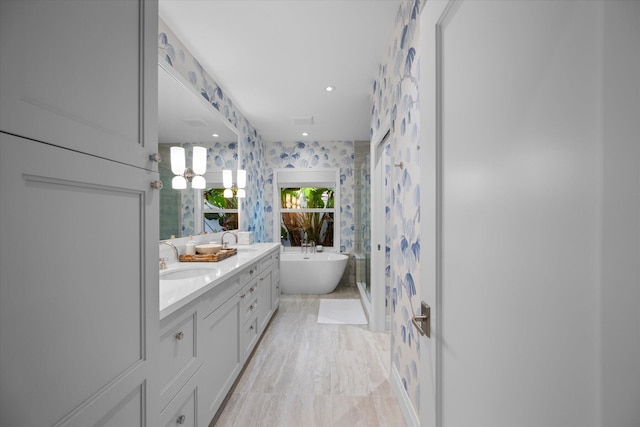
(511, 152)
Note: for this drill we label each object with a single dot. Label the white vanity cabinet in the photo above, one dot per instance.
(205, 344)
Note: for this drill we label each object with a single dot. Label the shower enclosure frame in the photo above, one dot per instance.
(378, 319)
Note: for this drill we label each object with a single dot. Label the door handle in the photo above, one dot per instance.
(422, 321)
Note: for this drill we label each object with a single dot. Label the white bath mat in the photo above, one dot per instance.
(341, 312)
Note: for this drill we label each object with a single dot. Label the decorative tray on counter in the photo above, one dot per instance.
(222, 254)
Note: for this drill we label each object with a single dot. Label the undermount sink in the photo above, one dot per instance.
(187, 273)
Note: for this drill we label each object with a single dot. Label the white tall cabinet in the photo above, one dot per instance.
(78, 217)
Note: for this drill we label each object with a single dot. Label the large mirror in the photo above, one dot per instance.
(185, 119)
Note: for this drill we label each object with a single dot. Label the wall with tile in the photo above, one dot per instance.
(314, 155)
(251, 150)
(395, 95)
(362, 196)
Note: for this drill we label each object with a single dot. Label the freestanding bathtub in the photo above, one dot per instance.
(311, 273)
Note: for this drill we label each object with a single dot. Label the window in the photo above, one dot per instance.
(219, 214)
(305, 206)
(307, 213)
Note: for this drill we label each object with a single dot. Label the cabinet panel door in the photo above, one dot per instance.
(222, 356)
(264, 298)
(275, 283)
(81, 75)
(250, 335)
(78, 287)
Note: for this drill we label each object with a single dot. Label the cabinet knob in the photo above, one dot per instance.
(261, 279)
(243, 295)
(252, 307)
(179, 336)
(181, 419)
(155, 157)
(251, 328)
(156, 185)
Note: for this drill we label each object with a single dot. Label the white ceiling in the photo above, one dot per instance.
(274, 58)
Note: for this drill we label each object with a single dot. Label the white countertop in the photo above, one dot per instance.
(175, 294)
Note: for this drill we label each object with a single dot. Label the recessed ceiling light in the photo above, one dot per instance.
(215, 135)
(329, 88)
(305, 133)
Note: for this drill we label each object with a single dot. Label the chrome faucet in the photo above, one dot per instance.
(306, 245)
(172, 246)
(224, 234)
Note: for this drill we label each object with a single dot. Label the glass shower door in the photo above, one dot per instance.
(363, 220)
(366, 240)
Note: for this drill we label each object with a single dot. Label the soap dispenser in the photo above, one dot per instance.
(190, 247)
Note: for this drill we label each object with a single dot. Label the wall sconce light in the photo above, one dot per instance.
(183, 173)
(227, 182)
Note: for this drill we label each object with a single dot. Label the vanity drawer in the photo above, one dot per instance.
(219, 295)
(250, 308)
(182, 410)
(177, 354)
(267, 261)
(249, 292)
(249, 273)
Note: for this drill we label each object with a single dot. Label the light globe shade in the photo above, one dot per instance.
(242, 178)
(198, 182)
(227, 180)
(241, 193)
(199, 160)
(179, 183)
(227, 194)
(178, 164)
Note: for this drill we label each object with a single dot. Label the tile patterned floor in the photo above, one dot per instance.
(306, 374)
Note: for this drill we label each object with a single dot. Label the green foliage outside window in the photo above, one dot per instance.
(213, 198)
(317, 226)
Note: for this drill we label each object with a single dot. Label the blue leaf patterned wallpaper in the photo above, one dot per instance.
(316, 155)
(251, 154)
(395, 95)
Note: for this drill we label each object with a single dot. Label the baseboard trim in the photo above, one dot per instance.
(408, 412)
